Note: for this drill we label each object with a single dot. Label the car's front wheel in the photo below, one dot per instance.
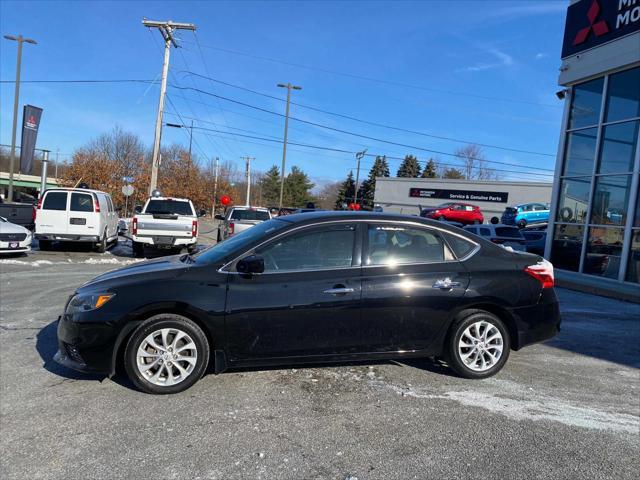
(168, 353)
(478, 345)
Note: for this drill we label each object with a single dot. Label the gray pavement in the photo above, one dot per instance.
(569, 408)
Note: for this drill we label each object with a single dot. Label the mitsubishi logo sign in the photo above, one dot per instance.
(599, 28)
(594, 22)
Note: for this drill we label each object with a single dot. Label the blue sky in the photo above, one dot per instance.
(476, 71)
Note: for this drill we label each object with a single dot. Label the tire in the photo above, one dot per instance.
(44, 245)
(476, 222)
(184, 373)
(192, 248)
(471, 366)
(138, 249)
(101, 246)
(522, 223)
(441, 218)
(219, 239)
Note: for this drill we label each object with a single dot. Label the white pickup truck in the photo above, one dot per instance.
(238, 219)
(165, 223)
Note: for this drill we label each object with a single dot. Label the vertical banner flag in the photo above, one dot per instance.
(30, 122)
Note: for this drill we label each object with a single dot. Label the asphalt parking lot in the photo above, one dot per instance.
(569, 408)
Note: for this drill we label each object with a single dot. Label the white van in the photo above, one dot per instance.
(76, 215)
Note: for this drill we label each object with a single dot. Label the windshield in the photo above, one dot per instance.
(249, 215)
(169, 207)
(221, 250)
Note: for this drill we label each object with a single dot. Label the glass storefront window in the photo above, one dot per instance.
(611, 200)
(585, 108)
(573, 200)
(580, 152)
(618, 149)
(623, 97)
(566, 246)
(636, 220)
(633, 265)
(604, 248)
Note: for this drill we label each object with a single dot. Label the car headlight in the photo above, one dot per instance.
(86, 302)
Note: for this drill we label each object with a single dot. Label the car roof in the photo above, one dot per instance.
(329, 216)
(175, 199)
(69, 189)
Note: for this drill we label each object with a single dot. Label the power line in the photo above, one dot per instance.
(339, 150)
(346, 132)
(378, 80)
(367, 122)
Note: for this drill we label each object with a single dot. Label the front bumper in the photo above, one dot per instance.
(15, 247)
(86, 347)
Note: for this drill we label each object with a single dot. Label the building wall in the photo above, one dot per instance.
(594, 231)
(393, 194)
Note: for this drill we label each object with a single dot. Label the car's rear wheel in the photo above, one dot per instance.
(168, 353)
(101, 246)
(138, 249)
(478, 345)
(522, 223)
(441, 218)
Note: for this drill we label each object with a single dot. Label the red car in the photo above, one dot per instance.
(464, 213)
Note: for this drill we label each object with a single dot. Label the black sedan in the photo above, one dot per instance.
(314, 287)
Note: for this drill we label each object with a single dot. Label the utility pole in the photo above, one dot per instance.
(43, 174)
(215, 188)
(248, 176)
(20, 39)
(289, 87)
(359, 157)
(166, 29)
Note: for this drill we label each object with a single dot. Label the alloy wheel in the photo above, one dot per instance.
(480, 346)
(166, 357)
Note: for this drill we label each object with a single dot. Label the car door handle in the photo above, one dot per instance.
(445, 284)
(339, 290)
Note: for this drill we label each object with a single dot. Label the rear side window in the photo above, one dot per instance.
(81, 202)
(460, 246)
(485, 232)
(55, 201)
(390, 245)
(249, 215)
(169, 207)
(510, 232)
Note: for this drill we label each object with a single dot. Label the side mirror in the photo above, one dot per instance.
(202, 213)
(219, 217)
(251, 264)
(138, 209)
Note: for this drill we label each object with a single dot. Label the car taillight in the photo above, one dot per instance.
(194, 228)
(34, 213)
(134, 226)
(543, 272)
(231, 228)
(96, 205)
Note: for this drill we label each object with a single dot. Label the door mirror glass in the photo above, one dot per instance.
(251, 264)
(138, 209)
(202, 212)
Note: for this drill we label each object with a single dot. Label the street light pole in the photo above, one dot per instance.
(359, 156)
(20, 39)
(289, 87)
(248, 159)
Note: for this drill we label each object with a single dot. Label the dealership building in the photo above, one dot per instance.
(409, 195)
(594, 232)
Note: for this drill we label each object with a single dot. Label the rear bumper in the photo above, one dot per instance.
(67, 237)
(152, 240)
(537, 323)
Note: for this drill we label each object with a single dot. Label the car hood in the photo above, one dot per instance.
(156, 269)
(8, 227)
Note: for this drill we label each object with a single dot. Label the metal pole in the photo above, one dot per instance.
(43, 174)
(248, 177)
(15, 117)
(284, 146)
(215, 189)
(155, 160)
(359, 156)
(190, 140)
(57, 161)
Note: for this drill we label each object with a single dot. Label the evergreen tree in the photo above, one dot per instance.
(430, 170)
(297, 188)
(409, 167)
(347, 192)
(270, 185)
(367, 190)
(453, 173)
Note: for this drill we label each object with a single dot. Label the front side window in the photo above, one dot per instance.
(391, 245)
(485, 232)
(321, 248)
(81, 202)
(55, 201)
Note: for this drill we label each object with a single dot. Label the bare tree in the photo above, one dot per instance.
(474, 163)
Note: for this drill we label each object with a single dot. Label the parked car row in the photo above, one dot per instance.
(467, 214)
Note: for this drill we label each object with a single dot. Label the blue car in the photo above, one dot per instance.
(525, 214)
